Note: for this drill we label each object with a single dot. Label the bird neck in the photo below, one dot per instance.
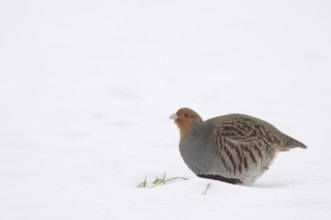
(187, 128)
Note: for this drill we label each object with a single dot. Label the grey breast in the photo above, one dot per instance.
(196, 150)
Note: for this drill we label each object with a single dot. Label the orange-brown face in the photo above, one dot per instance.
(184, 119)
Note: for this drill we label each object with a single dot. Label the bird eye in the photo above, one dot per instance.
(186, 115)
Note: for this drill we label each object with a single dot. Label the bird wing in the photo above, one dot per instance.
(240, 142)
(245, 130)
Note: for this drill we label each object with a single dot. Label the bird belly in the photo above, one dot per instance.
(196, 157)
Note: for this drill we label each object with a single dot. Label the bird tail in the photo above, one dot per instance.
(292, 143)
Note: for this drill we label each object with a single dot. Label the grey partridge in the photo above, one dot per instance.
(233, 148)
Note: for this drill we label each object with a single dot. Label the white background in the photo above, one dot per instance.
(86, 89)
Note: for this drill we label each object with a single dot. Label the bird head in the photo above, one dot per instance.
(185, 119)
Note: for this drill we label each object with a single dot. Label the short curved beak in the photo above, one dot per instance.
(174, 116)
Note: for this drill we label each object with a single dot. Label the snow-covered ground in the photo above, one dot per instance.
(86, 89)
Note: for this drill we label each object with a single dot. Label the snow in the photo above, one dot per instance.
(87, 88)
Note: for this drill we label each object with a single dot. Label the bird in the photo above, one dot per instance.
(233, 148)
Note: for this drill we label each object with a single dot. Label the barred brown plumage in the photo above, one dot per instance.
(234, 148)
